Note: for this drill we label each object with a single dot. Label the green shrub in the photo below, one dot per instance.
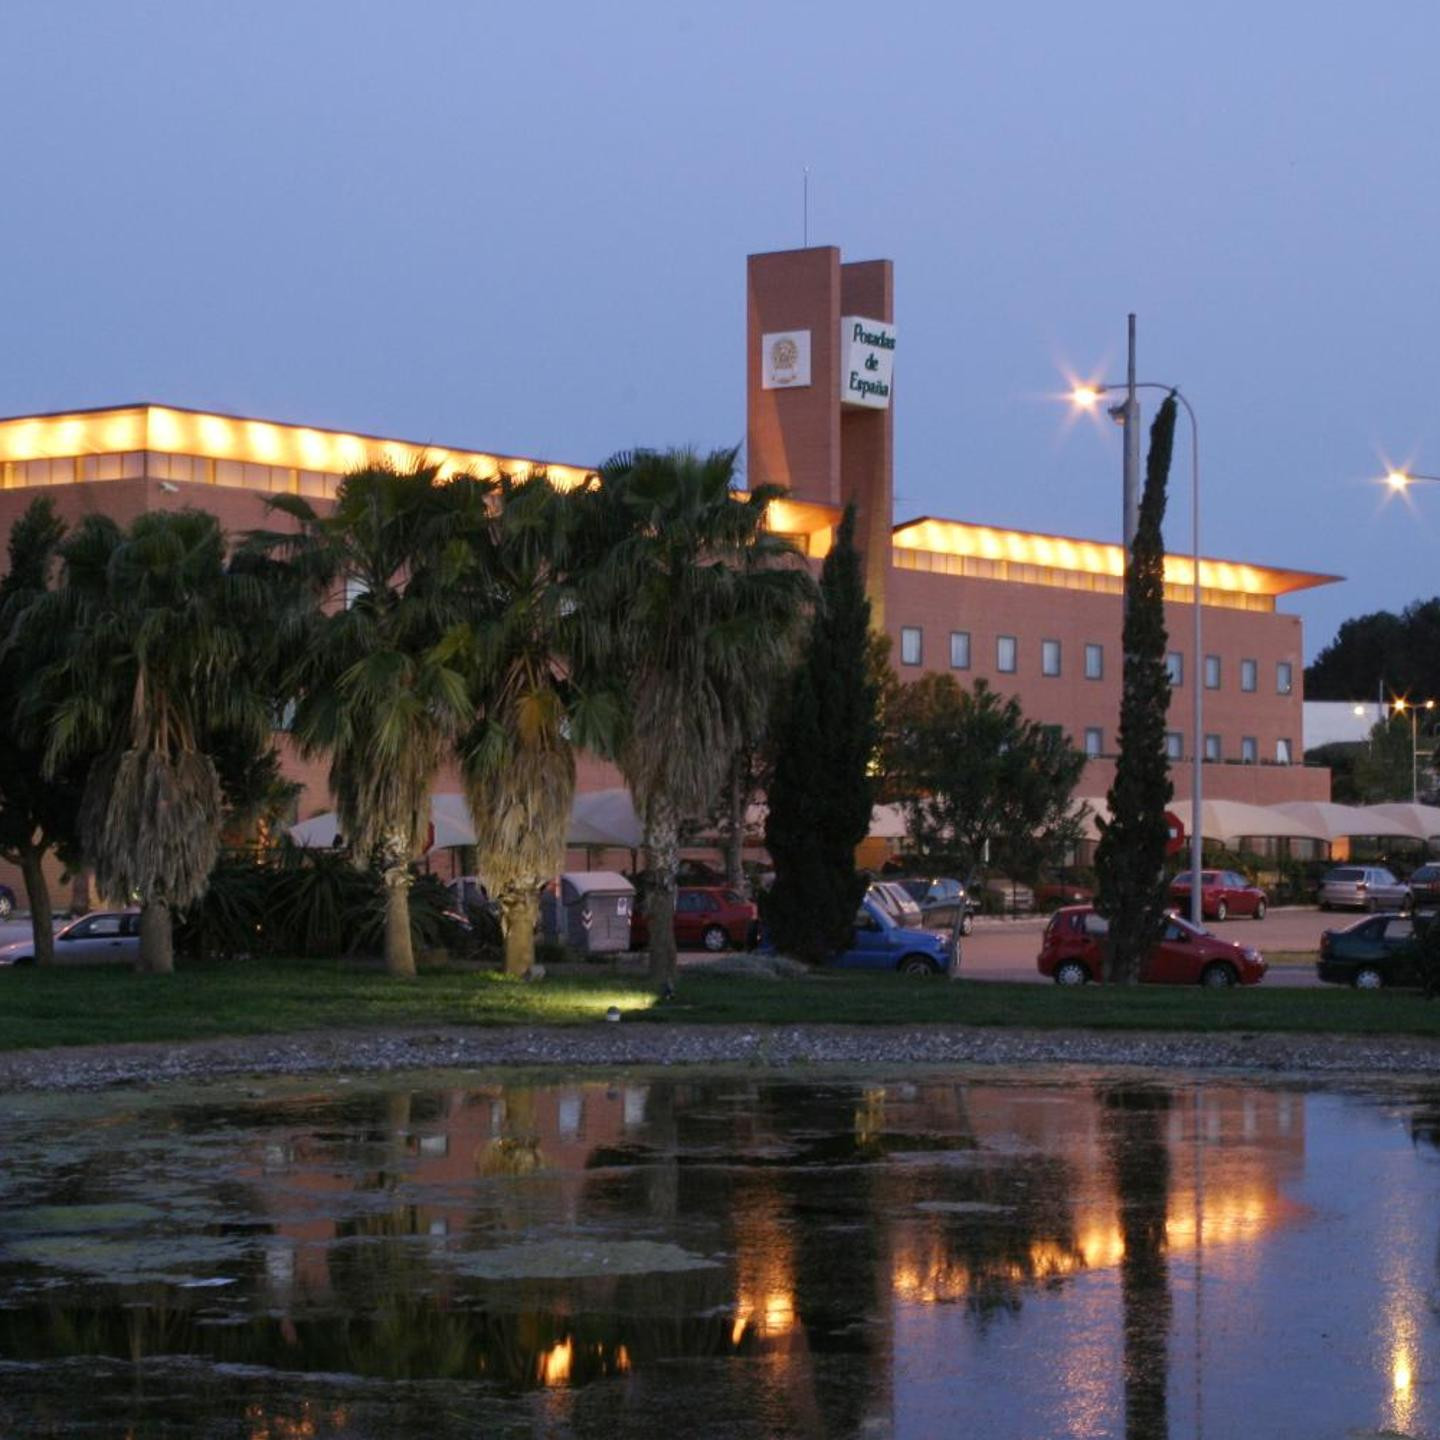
(310, 903)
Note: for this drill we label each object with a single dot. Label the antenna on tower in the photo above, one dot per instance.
(805, 211)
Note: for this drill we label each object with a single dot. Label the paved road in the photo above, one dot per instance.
(1006, 949)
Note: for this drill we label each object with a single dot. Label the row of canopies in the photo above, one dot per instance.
(1227, 822)
(602, 819)
(606, 819)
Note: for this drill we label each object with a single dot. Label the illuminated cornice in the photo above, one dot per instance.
(171, 430)
(1092, 557)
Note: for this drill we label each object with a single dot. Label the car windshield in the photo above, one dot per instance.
(915, 889)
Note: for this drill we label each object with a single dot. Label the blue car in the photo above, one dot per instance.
(880, 943)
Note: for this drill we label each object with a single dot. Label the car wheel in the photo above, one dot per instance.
(1367, 977)
(23, 960)
(916, 965)
(1218, 976)
(715, 939)
(1259, 909)
(967, 923)
(1372, 905)
(7, 904)
(1222, 911)
(1325, 905)
(1071, 972)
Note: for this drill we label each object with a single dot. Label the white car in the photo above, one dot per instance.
(99, 938)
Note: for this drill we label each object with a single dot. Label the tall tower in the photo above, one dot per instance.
(820, 349)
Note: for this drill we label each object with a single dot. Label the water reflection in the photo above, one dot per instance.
(727, 1255)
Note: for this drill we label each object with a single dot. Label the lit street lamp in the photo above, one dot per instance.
(1401, 479)
(1086, 396)
(1402, 705)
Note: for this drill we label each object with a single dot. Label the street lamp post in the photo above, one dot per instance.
(1086, 396)
(1414, 707)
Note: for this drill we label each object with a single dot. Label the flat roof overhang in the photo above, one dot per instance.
(174, 430)
(1094, 557)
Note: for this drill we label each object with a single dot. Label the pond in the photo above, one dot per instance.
(991, 1253)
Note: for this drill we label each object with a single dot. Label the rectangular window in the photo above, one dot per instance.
(1284, 677)
(1249, 750)
(1175, 669)
(1174, 745)
(1212, 672)
(1094, 742)
(1049, 657)
(1094, 662)
(1212, 747)
(1249, 675)
(959, 649)
(1005, 648)
(1282, 752)
(910, 644)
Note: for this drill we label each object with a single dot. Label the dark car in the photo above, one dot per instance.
(1222, 893)
(1380, 950)
(7, 902)
(708, 917)
(1072, 953)
(1425, 886)
(943, 902)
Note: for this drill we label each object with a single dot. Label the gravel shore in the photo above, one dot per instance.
(652, 1045)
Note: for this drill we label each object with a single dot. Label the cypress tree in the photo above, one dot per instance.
(821, 788)
(1130, 860)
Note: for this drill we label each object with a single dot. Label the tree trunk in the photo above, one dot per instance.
(82, 890)
(663, 842)
(157, 941)
(735, 836)
(399, 951)
(519, 912)
(42, 916)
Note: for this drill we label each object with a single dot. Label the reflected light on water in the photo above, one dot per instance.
(556, 1363)
(305, 1424)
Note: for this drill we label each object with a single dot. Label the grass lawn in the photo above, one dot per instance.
(100, 1006)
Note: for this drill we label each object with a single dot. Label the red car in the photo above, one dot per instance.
(706, 917)
(1072, 952)
(1222, 893)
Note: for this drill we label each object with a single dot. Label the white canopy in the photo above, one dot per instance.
(447, 816)
(1227, 820)
(605, 818)
(1335, 822)
(1420, 821)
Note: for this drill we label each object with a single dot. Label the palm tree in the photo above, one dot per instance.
(532, 707)
(696, 599)
(374, 681)
(162, 650)
(37, 814)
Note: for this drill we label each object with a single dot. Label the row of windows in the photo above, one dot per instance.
(1214, 749)
(1007, 655)
(1249, 674)
(193, 469)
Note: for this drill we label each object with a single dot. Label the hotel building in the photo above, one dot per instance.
(1037, 616)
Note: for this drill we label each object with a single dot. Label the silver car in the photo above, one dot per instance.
(1363, 887)
(100, 938)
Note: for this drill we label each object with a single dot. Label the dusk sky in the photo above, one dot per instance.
(523, 228)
